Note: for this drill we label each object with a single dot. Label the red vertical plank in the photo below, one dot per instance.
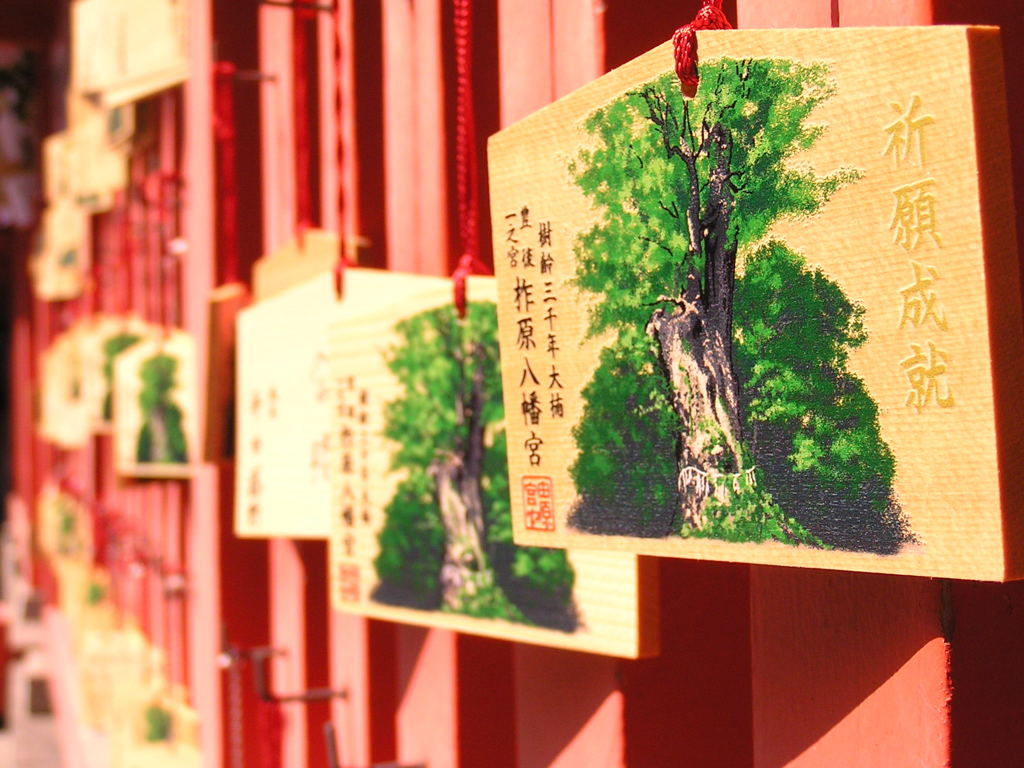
(204, 607)
(318, 713)
(770, 14)
(848, 668)
(699, 688)
(287, 632)
(877, 13)
(568, 710)
(431, 146)
(277, 130)
(577, 37)
(401, 145)
(524, 58)
(426, 720)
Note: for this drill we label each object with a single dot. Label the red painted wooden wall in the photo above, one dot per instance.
(760, 667)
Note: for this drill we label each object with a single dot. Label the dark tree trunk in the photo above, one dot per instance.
(694, 334)
(457, 482)
(160, 439)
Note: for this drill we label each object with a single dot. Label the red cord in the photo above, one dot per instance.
(710, 16)
(301, 119)
(465, 156)
(339, 151)
(227, 171)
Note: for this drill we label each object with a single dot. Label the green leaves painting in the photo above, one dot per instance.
(162, 437)
(723, 405)
(446, 543)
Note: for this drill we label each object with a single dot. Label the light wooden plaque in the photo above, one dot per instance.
(282, 396)
(65, 413)
(421, 532)
(155, 430)
(58, 265)
(781, 317)
(126, 50)
(98, 151)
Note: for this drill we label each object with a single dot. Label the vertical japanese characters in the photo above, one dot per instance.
(530, 254)
(916, 232)
(353, 402)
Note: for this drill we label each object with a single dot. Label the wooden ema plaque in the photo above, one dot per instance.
(283, 392)
(155, 430)
(421, 531)
(66, 410)
(98, 152)
(58, 265)
(774, 322)
(126, 50)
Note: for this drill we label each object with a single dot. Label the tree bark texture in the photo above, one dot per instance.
(457, 477)
(694, 335)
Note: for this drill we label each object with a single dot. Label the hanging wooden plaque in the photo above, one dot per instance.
(59, 265)
(126, 50)
(98, 152)
(420, 520)
(780, 318)
(282, 402)
(155, 430)
(65, 412)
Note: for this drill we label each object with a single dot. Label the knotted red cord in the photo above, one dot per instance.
(465, 156)
(227, 171)
(301, 119)
(710, 16)
(339, 151)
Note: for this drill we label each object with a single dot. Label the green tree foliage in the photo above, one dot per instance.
(162, 438)
(112, 347)
(824, 475)
(159, 723)
(527, 584)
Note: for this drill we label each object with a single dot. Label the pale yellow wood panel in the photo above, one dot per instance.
(282, 394)
(155, 430)
(404, 543)
(315, 253)
(126, 50)
(58, 265)
(66, 409)
(841, 395)
(98, 151)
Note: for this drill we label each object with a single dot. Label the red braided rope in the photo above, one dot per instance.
(465, 156)
(339, 149)
(301, 119)
(227, 172)
(710, 16)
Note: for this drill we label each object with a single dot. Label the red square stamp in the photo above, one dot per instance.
(539, 503)
(348, 583)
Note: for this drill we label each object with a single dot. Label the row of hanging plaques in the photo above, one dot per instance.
(775, 321)
(121, 51)
(119, 375)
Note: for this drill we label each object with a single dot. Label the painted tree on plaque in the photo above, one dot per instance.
(723, 406)
(162, 437)
(446, 543)
(112, 347)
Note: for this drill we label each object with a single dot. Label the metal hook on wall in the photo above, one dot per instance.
(258, 657)
(333, 761)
